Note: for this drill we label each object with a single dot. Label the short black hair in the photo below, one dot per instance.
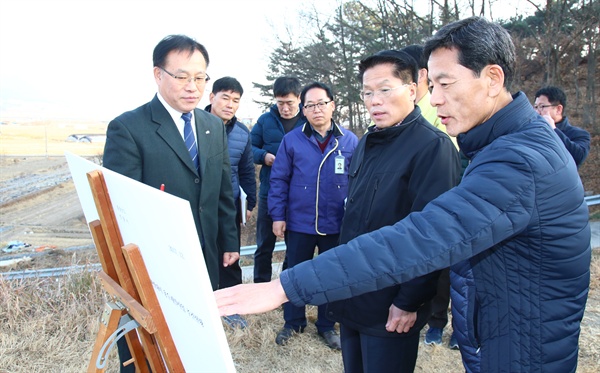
(285, 85)
(416, 52)
(312, 85)
(405, 67)
(479, 43)
(179, 43)
(555, 95)
(226, 84)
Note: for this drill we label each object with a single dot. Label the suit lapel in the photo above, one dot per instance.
(204, 136)
(168, 131)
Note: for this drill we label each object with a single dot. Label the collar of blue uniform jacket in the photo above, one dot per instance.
(337, 131)
(318, 135)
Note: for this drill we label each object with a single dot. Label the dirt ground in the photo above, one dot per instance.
(39, 206)
(38, 202)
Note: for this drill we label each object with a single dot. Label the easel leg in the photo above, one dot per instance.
(109, 322)
(137, 352)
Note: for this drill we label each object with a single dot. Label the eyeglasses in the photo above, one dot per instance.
(321, 105)
(542, 107)
(183, 80)
(383, 92)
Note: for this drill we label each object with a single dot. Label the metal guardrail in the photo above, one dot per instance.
(280, 246)
(592, 200)
(249, 250)
(61, 271)
(49, 272)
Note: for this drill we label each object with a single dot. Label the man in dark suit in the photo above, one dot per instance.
(551, 103)
(151, 144)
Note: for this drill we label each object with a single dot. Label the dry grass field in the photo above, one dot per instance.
(49, 138)
(49, 324)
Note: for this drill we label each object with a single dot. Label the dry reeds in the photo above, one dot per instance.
(49, 325)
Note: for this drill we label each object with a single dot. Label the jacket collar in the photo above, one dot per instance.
(563, 124)
(229, 123)
(391, 132)
(308, 130)
(510, 118)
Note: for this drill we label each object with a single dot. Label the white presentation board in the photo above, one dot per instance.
(163, 227)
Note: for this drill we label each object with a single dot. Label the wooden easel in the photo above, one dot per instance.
(125, 279)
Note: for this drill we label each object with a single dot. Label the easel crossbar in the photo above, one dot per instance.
(133, 307)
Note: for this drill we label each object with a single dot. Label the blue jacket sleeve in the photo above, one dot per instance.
(577, 142)
(281, 174)
(258, 142)
(493, 202)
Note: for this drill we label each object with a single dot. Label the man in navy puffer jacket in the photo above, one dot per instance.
(266, 136)
(224, 103)
(515, 231)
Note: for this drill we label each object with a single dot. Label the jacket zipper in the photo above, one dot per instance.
(318, 184)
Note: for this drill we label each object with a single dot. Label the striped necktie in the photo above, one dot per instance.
(189, 138)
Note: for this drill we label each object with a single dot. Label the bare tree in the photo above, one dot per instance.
(555, 45)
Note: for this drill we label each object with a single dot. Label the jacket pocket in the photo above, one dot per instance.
(472, 319)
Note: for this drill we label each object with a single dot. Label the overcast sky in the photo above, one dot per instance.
(92, 59)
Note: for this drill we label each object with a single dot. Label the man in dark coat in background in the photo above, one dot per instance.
(551, 103)
(266, 135)
(401, 164)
